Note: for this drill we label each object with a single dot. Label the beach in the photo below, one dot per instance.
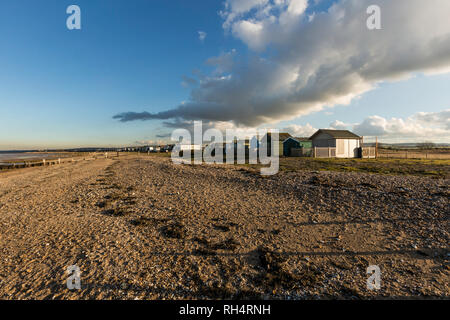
(141, 227)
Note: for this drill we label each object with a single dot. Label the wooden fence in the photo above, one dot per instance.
(329, 152)
(323, 152)
(368, 152)
(301, 152)
(51, 162)
(414, 154)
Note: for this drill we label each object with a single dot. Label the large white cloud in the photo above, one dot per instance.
(419, 127)
(302, 62)
(299, 130)
(423, 126)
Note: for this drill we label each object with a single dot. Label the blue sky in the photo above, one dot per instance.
(61, 88)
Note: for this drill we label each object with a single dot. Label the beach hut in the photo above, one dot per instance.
(295, 143)
(335, 144)
(282, 136)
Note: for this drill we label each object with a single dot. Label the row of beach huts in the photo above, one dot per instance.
(324, 143)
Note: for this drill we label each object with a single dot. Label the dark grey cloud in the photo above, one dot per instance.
(162, 136)
(143, 116)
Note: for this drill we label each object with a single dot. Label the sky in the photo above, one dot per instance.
(136, 70)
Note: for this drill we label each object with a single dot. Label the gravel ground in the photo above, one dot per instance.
(144, 228)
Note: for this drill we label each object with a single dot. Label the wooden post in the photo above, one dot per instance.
(59, 160)
(315, 152)
(376, 147)
(329, 152)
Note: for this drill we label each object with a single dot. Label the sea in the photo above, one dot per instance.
(7, 156)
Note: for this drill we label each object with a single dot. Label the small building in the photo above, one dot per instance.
(167, 148)
(282, 136)
(187, 147)
(295, 143)
(304, 142)
(336, 144)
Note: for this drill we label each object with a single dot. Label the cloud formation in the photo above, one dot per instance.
(303, 61)
(299, 131)
(424, 126)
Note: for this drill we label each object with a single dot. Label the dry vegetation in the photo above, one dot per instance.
(415, 153)
(431, 168)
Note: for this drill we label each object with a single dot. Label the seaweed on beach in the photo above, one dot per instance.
(174, 230)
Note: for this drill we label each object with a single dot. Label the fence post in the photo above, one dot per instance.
(376, 147)
(315, 152)
(43, 161)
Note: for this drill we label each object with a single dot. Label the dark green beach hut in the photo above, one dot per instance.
(296, 143)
